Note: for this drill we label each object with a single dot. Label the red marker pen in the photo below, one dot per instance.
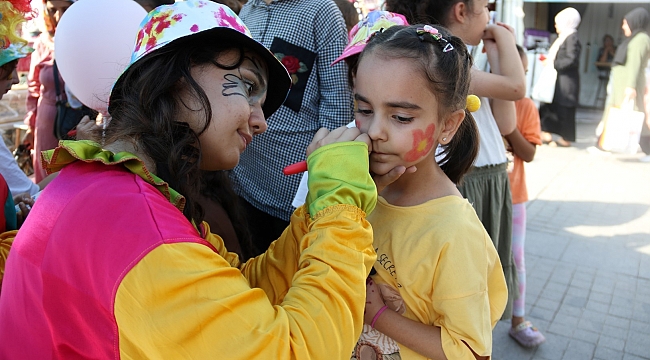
(296, 168)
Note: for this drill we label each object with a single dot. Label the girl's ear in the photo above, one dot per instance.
(459, 13)
(450, 125)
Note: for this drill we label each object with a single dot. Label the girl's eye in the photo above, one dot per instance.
(364, 112)
(403, 119)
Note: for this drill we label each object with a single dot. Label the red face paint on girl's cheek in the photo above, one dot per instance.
(356, 123)
(422, 143)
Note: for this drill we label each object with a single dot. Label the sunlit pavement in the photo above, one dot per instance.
(587, 253)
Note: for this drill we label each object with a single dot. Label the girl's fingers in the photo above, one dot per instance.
(324, 137)
(381, 181)
(365, 138)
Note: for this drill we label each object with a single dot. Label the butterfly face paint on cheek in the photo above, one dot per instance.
(237, 84)
(422, 143)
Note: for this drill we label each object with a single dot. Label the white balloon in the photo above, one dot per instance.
(93, 44)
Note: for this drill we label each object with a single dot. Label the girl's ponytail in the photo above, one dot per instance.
(460, 153)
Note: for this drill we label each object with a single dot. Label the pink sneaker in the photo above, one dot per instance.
(527, 335)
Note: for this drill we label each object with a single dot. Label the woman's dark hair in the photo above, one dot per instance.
(145, 107)
(8, 68)
(425, 11)
(217, 187)
(448, 73)
(349, 12)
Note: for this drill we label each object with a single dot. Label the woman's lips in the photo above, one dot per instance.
(247, 139)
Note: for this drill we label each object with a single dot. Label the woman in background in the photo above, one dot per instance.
(559, 117)
(41, 99)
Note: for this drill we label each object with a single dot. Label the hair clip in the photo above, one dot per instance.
(473, 103)
(428, 29)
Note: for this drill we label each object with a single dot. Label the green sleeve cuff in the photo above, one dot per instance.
(339, 174)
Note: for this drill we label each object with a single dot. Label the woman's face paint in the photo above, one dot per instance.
(236, 97)
(422, 143)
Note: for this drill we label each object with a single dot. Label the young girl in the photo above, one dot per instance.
(113, 262)
(522, 143)
(486, 186)
(438, 288)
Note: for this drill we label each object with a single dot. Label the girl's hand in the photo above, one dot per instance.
(381, 181)
(374, 301)
(24, 202)
(325, 137)
(88, 129)
(507, 27)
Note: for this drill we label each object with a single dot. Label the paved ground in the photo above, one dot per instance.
(587, 254)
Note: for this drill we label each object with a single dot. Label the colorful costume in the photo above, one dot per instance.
(437, 265)
(107, 266)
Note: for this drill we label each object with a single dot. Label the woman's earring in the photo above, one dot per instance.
(444, 139)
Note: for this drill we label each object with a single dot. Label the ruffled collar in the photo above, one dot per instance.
(70, 151)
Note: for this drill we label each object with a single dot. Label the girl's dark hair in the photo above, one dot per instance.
(425, 11)
(521, 51)
(217, 187)
(145, 107)
(448, 73)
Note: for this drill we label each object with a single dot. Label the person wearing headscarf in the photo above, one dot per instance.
(559, 117)
(41, 98)
(628, 68)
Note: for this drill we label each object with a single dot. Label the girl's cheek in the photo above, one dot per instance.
(357, 123)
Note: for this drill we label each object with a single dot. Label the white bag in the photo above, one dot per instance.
(622, 129)
(544, 88)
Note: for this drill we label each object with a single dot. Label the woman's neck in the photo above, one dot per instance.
(427, 183)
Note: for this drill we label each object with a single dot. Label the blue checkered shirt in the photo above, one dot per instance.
(315, 26)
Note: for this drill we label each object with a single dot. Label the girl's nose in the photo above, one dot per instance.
(376, 129)
(257, 121)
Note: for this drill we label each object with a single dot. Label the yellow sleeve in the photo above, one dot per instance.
(338, 175)
(6, 239)
(184, 301)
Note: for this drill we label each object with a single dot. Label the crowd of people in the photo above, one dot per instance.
(174, 221)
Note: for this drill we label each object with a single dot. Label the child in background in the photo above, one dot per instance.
(439, 288)
(522, 143)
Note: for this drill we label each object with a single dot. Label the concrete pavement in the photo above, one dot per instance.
(587, 254)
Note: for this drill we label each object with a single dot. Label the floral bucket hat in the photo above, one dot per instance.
(170, 23)
(14, 52)
(361, 33)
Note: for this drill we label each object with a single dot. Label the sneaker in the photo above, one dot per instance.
(645, 159)
(527, 335)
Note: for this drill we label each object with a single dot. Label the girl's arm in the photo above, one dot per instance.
(424, 339)
(521, 147)
(507, 80)
(505, 115)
